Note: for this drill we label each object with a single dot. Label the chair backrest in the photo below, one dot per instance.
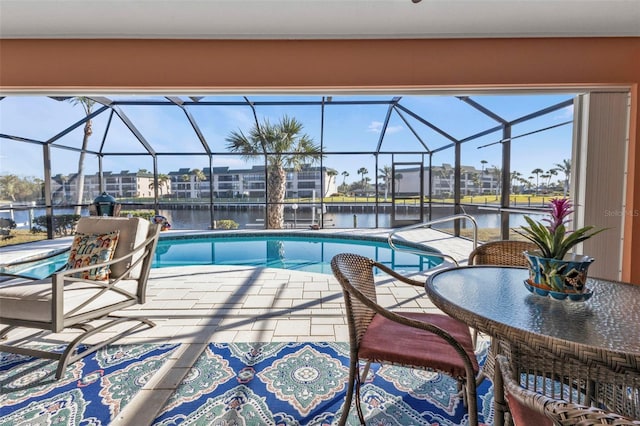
(133, 231)
(531, 408)
(355, 272)
(504, 252)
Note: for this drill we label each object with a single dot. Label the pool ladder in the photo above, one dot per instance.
(428, 224)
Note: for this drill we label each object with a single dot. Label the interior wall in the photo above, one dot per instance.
(86, 66)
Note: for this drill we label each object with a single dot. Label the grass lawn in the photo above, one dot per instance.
(19, 236)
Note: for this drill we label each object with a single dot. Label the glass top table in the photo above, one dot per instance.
(602, 333)
(495, 300)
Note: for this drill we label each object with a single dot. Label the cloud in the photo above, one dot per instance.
(376, 127)
(565, 113)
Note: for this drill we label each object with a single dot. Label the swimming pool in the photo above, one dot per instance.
(302, 252)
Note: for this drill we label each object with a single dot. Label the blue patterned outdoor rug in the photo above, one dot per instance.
(92, 392)
(305, 384)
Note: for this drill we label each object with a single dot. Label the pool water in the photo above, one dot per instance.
(311, 254)
(301, 253)
(39, 269)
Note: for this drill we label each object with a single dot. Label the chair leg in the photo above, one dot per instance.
(472, 400)
(500, 406)
(358, 402)
(69, 355)
(346, 406)
(365, 372)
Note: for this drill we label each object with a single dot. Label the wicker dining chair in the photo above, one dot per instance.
(503, 253)
(531, 408)
(415, 340)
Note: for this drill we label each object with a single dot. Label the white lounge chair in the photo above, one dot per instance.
(72, 298)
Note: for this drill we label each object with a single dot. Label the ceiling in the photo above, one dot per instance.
(317, 19)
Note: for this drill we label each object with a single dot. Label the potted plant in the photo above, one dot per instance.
(552, 268)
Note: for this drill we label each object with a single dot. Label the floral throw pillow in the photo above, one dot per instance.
(89, 249)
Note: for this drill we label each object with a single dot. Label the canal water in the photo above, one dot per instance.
(356, 218)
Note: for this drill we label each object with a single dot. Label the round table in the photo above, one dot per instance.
(602, 333)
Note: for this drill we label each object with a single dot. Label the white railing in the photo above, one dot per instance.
(428, 224)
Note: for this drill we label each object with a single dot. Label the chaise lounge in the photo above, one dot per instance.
(107, 271)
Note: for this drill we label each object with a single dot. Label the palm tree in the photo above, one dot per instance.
(496, 172)
(386, 175)
(287, 148)
(332, 174)
(199, 176)
(87, 104)
(550, 174)
(483, 162)
(515, 177)
(344, 177)
(162, 182)
(544, 176)
(446, 173)
(565, 167)
(537, 172)
(363, 171)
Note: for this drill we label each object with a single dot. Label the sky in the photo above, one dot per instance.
(347, 129)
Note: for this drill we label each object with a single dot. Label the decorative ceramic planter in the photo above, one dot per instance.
(568, 275)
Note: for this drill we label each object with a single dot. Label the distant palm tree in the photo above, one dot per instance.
(199, 176)
(386, 174)
(545, 176)
(565, 167)
(483, 162)
(162, 182)
(515, 177)
(363, 171)
(332, 174)
(344, 177)
(496, 172)
(87, 104)
(537, 172)
(550, 174)
(286, 147)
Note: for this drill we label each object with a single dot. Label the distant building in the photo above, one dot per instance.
(238, 183)
(187, 183)
(124, 184)
(472, 181)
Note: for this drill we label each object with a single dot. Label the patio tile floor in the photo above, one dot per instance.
(196, 305)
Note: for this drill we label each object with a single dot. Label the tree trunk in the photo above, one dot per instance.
(80, 177)
(276, 187)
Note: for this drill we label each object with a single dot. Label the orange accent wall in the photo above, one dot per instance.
(104, 65)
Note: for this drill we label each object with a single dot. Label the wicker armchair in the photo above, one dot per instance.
(528, 407)
(420, 340)
(504, 253)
